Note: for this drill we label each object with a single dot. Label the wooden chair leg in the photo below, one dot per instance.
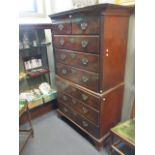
(111, 143)
(30, 123)
(99, 145)
(59, 115)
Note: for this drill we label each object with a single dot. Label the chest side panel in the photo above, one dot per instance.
(111, 108)
(113, 50)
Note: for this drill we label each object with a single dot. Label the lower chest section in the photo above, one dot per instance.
(92, 112)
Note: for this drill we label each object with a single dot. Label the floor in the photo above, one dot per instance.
(53, 136)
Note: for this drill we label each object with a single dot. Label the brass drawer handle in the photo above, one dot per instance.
(73, 101)
(65, 109)
(74, 113)
(73, 71)
(64, 71)
(65, 98)
(63, 86)
(72, 40)
(60, 27)
(84, 123)
(61, 41)
(62, 56)
(85, 110)
(73, 55)
(84, 61)
(84, 43)
(84, 79)
(73, 89)
(84, 97)
(83, 26)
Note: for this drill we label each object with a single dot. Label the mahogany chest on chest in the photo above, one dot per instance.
(90, 52)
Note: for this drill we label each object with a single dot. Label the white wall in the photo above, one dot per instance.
(107, 1)
(38, 19)
(129, 93)
(61, 5)
(51, 6)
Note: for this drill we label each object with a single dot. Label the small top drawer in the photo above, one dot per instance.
(85, 25)
(62, 27)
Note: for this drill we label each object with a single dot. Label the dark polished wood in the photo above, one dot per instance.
(84, 78)
(94, 9)
(62, 27)
(80, 94)
(85, 25)
(113, 51)
(78, 119)
(89, 62)
(111, 108)
(80, 43)
(79, 107)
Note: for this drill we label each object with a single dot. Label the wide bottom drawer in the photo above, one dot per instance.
(78, 119)
(78, 106)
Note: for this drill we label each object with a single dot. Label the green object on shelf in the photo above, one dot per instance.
(39, 99)
(21, 103)
(126, 130)
(50, 96)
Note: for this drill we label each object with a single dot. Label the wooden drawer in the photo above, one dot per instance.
(62, 27)
(79, 120)
(65, 86)
(89, 62)
(80, 43)
(77, 106)
(87, 79)
(85, 25)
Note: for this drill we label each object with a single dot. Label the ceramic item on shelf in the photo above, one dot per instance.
(20, 45)
(45, 88)
(26, 40)
(34, 43)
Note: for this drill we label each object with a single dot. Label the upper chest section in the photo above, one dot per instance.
(79, 24)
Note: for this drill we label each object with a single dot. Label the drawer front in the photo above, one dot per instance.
(80, 43)
(89, 62)
(77, 106)
(62, 27)
(91, 100)
(85, 25)
(87, 79)
(78, 119)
